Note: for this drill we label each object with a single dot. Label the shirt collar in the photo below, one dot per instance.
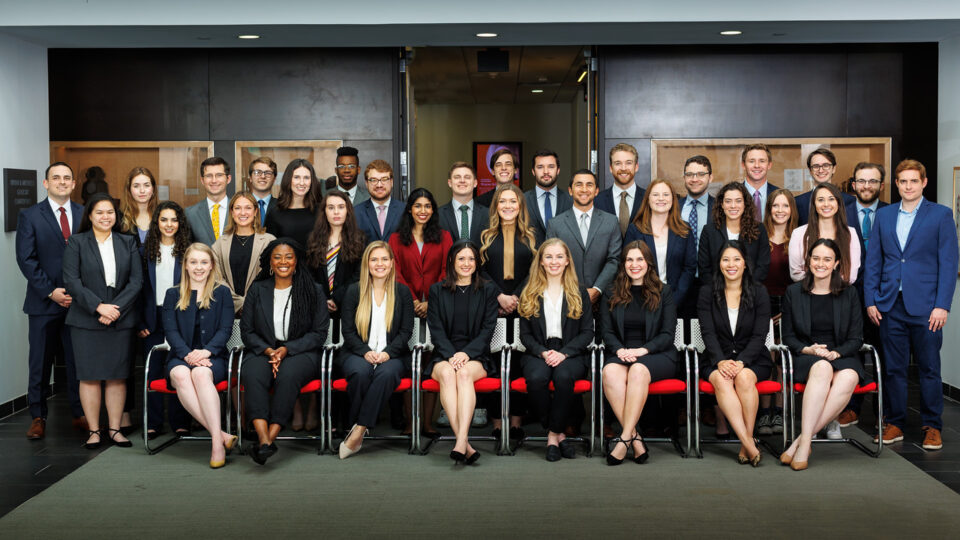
(912, 212)
(577, 212)
(701, 199)
(762, 189)
(211, 204)
(352, 192)
(630, 191)
(872, 207)
(266, 199)
(457, 204)
(56, 207)
(552, 191)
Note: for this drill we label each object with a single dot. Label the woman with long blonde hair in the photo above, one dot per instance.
(197, 321)
(556, 329)
(377, 324)
(138, 200)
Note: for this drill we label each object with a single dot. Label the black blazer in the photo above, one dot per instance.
(398, 337)
(577, 333)
(256, 323)
(757, 252)
(797, 320)
(748, 344)
(83, 278)
(148, 295)
(681, 258)
(40, 246)
(348, 273)
(216, 323)
(479, 221)
(605, 202)
(493, 268)
(660, 325)
(483, 319)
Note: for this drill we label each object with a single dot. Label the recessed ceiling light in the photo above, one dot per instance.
(536, 91)
(486, 34)
(731, 33)
(248, 36)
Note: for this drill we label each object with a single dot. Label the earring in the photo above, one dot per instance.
(271, 271)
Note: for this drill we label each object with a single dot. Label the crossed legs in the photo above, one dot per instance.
(826, 394)
(738, 400)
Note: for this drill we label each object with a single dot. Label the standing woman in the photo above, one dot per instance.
(823, 327)
(659, 225)
(167, 241)
(284, 325)
(237, 251)
(733, 219)
(137, 202)
(198, 320)
(377, 324)
(734, 315)
(556, 329)
(462, 317)
(828, 219)
(335, 249)
(103, 273)
(298, 203)
(638, 320)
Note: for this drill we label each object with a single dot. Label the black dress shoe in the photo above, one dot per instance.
(458, 457)
(473, 458)
(642, 458)
(553, 453)
(254, 452)
(567, 449)
(268, 450)
(153, 434)
(496, 433)
(113, 437)
(517, 433)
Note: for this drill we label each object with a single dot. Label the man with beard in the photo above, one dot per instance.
(546, 201)
(379, 216)
(503, 163)
(623, 199)
(348, 169)
(262, 173)
(756, 161)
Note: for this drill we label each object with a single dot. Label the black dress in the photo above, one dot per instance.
(295, 223)
(662, 365)
(821, 329)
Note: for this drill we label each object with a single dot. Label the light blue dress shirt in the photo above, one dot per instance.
(553, 202)
(702, 215)
(904, 224)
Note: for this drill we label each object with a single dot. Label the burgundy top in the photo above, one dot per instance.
(778, 278)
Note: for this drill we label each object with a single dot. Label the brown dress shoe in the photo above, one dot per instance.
(931, 438)
(891, 434)
(80, 423)
(37, 428)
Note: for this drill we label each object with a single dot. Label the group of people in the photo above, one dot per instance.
(617, 266)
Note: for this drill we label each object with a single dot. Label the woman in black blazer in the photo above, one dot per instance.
(377, 323)
(556, 328)
(825, 346)
(734, 219)
(461, 314)
(198, 320)
(283, 356)
(103, 273)
(638, 320)
(335, 248)
(735, 360)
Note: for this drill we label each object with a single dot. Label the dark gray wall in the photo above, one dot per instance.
(225, 95)
(799, 91)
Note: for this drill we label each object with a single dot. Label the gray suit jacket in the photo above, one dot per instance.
(198, 216)
(596, 262)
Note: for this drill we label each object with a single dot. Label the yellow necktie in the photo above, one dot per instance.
(215, 221)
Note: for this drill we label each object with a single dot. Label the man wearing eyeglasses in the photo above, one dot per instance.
(348, 168)
(263, 173)
(822, 164)
(379, 216)
(208, 217)
(624, 197)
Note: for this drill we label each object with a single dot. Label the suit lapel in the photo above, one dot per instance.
(594, 229)
(266, 308)
(77, 211)
(227, 270)
(535, 209)
(542, 321)
(371, 212)
(571, 222)
(47, 212)
(259, 243)
(477, 223)
(203, 214)
(921, 215)
(120, 258)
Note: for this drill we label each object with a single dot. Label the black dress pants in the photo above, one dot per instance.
(257, 378)
(553, 413)
(369, 386)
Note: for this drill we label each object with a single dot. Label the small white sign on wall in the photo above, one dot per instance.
(793, 179)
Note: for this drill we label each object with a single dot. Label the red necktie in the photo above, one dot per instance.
(64, 224)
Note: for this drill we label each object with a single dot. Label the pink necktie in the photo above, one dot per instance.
(382, 217)
(756, 204)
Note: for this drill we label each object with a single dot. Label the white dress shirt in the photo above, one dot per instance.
(733, 314)
(578, 213)
(456, 216)
(377, 340)
(552, 314)
(56, 212)
(164, 272)
(223, 212)
(352, 192)
(281, 313)
(661, 244)
(109, 261)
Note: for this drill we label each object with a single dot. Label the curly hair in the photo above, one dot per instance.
(181, 239)
(749, 227)
(652, 286)
(432, 233)
(352, 239)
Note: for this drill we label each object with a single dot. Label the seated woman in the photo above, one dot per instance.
(734, 314)
(377, 323)
(462, 315)
(284, 326)
(198, 320)
(825, 346)
(556, 329)
(638, 320)
(238, 249)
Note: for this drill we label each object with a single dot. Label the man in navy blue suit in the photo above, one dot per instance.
(624, 197)
(756, 162)
(908, 286)
(546, 200)
(822, 164)
(379, 216)
(43, 231)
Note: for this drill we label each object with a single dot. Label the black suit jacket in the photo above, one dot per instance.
(660, 325)
(563, 203)
(148, 294)
(748, 344)
(479, 221)
(493, 268)
(347, 273)
(798, 318)
(577, 333)
(216, 323)
(681, 258)
(40, 246)
(259, 334)
(401, 328)
(853, 220)
(605, 202)
(486, 199)
(84, 280)
(482, 320)
(757, 252)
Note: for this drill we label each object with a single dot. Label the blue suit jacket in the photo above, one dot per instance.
(216, 323)
(928, 261)
(853, 220)
(148, 295)
(367, 219)
(605, 202)
(681, 259)
(40, 246)
(803, 206)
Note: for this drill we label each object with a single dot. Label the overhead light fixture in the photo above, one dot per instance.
(582, 75)
(248, 36)
(731, 33)
(486, 35)
(536, 91)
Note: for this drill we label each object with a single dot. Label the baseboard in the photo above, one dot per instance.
(13, 406)
(951, 392)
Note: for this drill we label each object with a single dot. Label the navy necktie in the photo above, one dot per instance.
(263, 212)
(547, 208)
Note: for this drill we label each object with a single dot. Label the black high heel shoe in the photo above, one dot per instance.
(93, 445)
(112, 433)
(611, 446)
(642, 458)
(473, 458)
(458, 457)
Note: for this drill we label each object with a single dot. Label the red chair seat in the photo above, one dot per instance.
(160, 385)
(865, 389)
(340, 385)
(667, 386)
(311, 386)
(484, 385)
(763, 387)
(580, 386)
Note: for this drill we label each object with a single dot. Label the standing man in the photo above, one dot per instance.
(208, 217)
(463, 216)
(546, 200)
(348, 169)
(503, 163)
(756, 162)
(43, 231)
(696, 208)
(822, 164)
(624, 197)
(263, 173)
(379, 216)
(593, 237)
(908, 286)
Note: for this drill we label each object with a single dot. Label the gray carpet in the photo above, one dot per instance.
(384, 492)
